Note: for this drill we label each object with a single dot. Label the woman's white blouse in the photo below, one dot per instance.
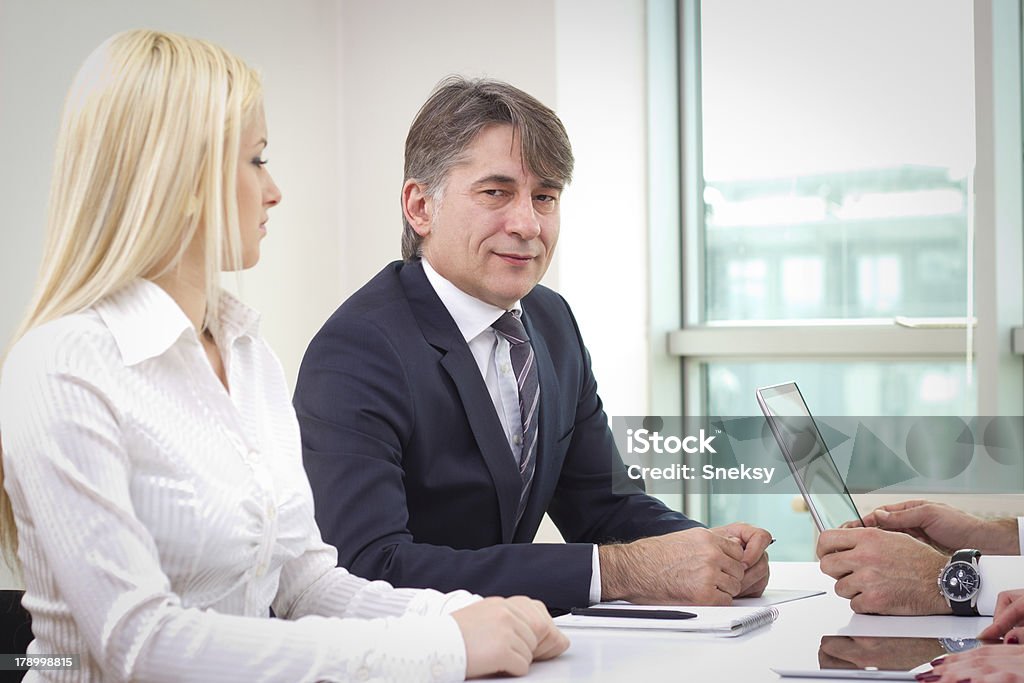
(160, 516)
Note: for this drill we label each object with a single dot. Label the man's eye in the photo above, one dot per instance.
(495, 193)
(258, 161)
(547, 198)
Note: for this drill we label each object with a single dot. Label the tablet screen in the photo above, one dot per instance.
(874, 657)
(885, 653)
(807, 455)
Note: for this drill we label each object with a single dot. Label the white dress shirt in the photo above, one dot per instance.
(491, 351)
(160, 516)
(1000, 573)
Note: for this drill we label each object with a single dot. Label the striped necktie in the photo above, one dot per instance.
(524, 366)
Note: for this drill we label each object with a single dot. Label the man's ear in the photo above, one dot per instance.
(418, 207)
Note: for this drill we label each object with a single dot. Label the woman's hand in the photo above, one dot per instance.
(504, 635)
(988, 664)
(1008, 622)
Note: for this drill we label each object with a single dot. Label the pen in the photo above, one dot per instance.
(631, 613)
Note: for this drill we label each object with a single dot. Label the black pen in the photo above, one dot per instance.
(631, 613)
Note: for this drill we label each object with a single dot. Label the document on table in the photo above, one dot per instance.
(775, 596)
(720, 621)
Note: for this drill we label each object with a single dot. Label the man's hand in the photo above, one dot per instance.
(947, 528)
(755, 542)
(881, 572)
(692, 567)
(504, 635)
(1008, 621)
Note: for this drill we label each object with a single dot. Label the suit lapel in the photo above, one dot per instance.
(549, 396)
(440, 331)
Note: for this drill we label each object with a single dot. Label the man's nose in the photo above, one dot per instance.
(523, 220)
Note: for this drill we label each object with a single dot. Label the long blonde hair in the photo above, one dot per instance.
(146, 160)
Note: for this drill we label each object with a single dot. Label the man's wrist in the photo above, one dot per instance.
(608, 557)
(922, 592)
(999, 537)
(940, 603)
(615, 564)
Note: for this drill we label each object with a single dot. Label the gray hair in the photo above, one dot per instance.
(450, 120)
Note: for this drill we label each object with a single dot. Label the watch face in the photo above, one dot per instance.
(960, 581)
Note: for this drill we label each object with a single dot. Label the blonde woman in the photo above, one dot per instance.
(150, 453)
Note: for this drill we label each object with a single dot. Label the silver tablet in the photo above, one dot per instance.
(879, 658)
(809, 460)
(850, 674)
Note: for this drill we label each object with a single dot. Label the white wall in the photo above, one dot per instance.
(602, 98)
(293, 44)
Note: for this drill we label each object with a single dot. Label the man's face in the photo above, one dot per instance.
(493, 232)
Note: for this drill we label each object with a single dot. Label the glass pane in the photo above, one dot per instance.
(846, 388)
(837, 141)
(830, 388)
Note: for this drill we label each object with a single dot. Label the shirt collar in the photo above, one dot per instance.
(471, 315)
(237, 320)
(146, 321)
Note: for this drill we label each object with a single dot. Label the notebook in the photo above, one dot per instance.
(719, 621)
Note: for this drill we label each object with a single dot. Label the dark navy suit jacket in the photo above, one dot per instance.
(413, 479)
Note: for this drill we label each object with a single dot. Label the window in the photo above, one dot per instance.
(849, 195)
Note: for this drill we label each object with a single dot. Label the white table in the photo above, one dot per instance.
(792, 641)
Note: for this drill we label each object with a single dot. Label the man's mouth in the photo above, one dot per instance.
(515, 259)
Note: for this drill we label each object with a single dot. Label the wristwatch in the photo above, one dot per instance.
(960, 582)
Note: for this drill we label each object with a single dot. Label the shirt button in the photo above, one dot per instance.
(271, 511)
(517, 440)
(261, 569)
(254, 456)
(437, 671)
(363, 674)
(505, 369)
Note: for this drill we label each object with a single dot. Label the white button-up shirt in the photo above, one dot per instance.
(160, 516)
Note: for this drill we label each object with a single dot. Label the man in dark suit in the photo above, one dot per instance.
(450, 403)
